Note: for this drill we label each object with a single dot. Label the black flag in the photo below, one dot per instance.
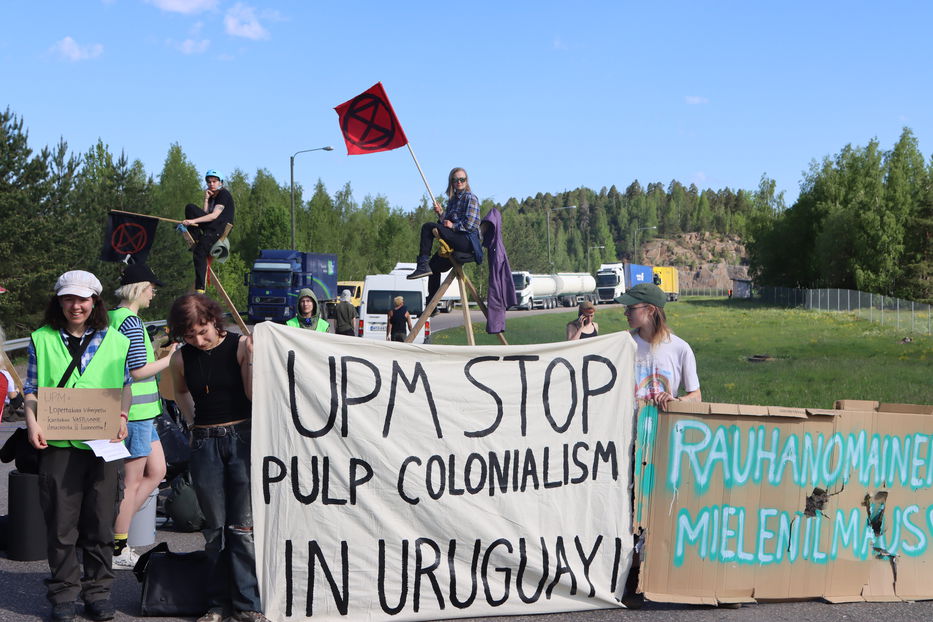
(128, 234)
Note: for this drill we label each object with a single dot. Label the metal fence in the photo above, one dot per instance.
(704, 291)
(902, 315)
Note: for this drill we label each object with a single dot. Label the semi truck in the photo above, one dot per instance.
(547, 291)
(636, 274)
(610, 281)
(278, 275)
(667, 279)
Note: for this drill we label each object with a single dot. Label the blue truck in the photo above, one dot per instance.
(278, 275)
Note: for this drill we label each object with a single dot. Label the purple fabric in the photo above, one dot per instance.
(501, 287)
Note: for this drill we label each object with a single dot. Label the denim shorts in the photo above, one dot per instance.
(140, 436)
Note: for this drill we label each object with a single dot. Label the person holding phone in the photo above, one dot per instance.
(583, 327)
(206, 224)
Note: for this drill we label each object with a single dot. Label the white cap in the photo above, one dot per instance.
(78, 283)
(345, 295)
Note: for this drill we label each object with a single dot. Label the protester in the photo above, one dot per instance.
(345, 313)
(212, 374)
(458, 226)
(306, 313)
(145, 468)
(77, 490)
(208, 223)
(583, 327)
(399, 324)
(664, 362)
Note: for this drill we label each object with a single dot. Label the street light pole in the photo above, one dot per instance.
(291, 170)
(548, 227)
(635, 250)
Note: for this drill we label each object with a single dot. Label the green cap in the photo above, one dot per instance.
(643, 292)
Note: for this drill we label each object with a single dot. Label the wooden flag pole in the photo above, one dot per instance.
(120, 211)
(423, 178)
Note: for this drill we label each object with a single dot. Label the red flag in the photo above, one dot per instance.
(369, 124)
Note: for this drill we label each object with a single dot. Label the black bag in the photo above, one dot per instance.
(173, 583)
(181, 505)
(174, 438)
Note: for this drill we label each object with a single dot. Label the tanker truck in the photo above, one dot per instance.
(547, 291)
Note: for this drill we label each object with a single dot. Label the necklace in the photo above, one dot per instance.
(207, 375)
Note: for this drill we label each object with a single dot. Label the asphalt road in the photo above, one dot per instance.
(22, 593)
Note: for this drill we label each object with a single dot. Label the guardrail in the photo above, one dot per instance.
(20, 344)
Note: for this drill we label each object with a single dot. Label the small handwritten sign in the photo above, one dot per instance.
(79, 414)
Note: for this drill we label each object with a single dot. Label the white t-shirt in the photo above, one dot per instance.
(10, 387)
(665, 368)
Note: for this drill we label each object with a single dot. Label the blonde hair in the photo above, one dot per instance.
(450, 181)
(131, 292)
(660, 330)
(398, 300)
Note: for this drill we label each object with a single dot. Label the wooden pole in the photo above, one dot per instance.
(465, 304)
(482, 306)
(9, 367)
(430, 308)
(423, 178)
(120, 211)
(220, 288)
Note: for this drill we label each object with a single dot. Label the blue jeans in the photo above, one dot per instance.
(220, 463)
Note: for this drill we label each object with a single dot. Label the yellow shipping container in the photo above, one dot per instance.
(666, 278)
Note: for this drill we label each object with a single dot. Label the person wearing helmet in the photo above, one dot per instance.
(206, 224)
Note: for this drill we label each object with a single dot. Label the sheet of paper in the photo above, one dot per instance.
(108, 451)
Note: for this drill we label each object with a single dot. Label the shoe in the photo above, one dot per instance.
(63, 612)
(100, 610)
(212, 616)
(635, 600)
(249, 616)
(125, 560)
(422, 270)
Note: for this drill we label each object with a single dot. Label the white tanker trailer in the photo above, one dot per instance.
(547, 291)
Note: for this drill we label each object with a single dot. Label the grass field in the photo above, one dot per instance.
(818, 356)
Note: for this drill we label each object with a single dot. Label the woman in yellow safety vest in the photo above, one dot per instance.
(77, 490)
(145, 467)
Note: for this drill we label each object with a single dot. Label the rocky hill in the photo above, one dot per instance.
(702, 259)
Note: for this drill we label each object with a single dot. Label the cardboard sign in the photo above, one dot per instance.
(400, 481)
(79, 414)
(739, 505)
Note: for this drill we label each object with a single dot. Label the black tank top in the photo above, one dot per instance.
(595, 333)
(214, 380)
(398, 321)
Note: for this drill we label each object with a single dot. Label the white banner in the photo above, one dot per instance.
(406, 482)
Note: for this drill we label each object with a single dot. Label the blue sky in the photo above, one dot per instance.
(527, 96)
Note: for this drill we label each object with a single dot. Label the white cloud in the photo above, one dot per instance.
(70, 50)
(696, 100)
(191, 46)
(241, 21)
(187, 7)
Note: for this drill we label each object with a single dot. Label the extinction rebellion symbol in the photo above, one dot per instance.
(369, 123)
(129, 238)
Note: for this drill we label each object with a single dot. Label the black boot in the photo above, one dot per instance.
(423, 268)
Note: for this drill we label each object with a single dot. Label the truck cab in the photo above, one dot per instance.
(277, 276)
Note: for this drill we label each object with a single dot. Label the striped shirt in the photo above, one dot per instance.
(32, 369)
(132, 329)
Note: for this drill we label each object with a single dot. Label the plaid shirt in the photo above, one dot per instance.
(463, 211)
(32, 373)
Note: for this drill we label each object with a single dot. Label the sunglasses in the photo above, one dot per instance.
(459, 180)
(633, 308)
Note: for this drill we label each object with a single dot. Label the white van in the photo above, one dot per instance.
(378, 292)
(450, 297)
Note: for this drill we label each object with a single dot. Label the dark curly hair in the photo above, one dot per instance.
(193, 309)
(55, 317)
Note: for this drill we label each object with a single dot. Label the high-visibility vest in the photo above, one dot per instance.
(104, 371)
(147, 404)
(322, 325)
